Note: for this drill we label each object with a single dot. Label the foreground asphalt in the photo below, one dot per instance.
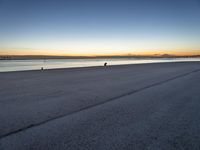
(152, 106)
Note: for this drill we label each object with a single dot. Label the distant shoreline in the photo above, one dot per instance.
(36, 57)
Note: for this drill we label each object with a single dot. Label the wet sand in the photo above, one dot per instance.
(144, 106)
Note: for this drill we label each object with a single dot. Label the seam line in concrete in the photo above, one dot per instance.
(94, 105)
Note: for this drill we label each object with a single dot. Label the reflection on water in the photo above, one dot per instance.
(17, 65)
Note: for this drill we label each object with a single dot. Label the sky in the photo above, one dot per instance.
(99, 27)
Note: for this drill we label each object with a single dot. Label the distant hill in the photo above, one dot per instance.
(167, 55)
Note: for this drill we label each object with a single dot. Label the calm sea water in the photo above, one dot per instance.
(18, 65)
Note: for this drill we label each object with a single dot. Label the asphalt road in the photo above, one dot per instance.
(152, 106)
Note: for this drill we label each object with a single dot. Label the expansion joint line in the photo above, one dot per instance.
(101, 103)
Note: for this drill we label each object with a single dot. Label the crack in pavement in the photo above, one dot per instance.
(94, 105)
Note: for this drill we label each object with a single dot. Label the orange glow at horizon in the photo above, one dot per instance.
(177, 52)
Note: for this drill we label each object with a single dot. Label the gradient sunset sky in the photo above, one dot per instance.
(103, 27)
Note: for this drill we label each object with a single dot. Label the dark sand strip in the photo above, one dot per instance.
(106, 101)
(163, 115)
(36, 98)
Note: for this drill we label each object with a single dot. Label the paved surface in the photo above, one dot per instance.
(150, 106)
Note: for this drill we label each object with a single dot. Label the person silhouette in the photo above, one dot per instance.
(105, 64)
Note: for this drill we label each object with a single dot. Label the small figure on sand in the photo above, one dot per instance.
(105, 64)
(42, 68)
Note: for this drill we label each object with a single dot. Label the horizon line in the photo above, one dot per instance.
(126, 55)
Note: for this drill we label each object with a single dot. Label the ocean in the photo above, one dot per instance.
(37, 64)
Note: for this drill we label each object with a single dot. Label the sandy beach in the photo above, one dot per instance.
(143, 106)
